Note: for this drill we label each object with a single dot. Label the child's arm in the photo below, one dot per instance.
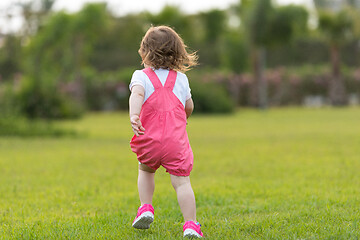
(189, 107)
(135, 103)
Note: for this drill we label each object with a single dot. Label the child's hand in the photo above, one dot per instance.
(136, 125)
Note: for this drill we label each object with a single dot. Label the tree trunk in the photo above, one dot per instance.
(337, 92)
(259, 91)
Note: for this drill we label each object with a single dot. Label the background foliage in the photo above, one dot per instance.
(61, 65)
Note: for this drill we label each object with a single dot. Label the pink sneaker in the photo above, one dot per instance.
(144, 217)
(192, 230)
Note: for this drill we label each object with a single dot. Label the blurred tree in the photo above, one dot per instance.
(214, 21)
(337, 29)
(335, 5)
(59, 52)
(10, 53)
(87, 29)
(48, 49)
(118, 46)
(235, 52)
(173, 17)
(63, 46)
(34, 13)
(185, 25)
(336, 23)
(48, 60)
(46, 5)
(267, 27)
(214, 25)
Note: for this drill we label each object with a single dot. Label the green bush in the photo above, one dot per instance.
(285, 86)
(13, 122)
(210, 98)
(45, 101)
(8, 101)
(107, 90)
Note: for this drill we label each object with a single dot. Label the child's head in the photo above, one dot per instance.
(162, 47)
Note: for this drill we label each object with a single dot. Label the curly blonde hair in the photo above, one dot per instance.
(162, 47)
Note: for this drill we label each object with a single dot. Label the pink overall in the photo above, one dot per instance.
(165, 141)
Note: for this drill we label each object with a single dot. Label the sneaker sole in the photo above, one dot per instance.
(190, 233)
(143, 221)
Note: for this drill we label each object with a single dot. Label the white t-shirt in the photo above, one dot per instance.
(181, 88)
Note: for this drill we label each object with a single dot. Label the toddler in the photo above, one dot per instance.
(160, 103)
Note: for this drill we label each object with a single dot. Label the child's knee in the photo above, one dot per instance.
(178, 181)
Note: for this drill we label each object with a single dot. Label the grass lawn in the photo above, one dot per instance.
(281, 174)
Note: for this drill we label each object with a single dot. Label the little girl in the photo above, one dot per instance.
(160, 102)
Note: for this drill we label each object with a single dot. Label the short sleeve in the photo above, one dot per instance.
(137, 79)
(188, 90)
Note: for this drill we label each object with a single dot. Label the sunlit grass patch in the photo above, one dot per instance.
(279, 174)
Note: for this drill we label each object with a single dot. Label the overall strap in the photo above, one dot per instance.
(153, 78)
(170, 80)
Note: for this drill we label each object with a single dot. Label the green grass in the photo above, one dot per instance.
(280, 174)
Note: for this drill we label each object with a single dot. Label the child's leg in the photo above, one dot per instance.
(146, 184)
(185, 196)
